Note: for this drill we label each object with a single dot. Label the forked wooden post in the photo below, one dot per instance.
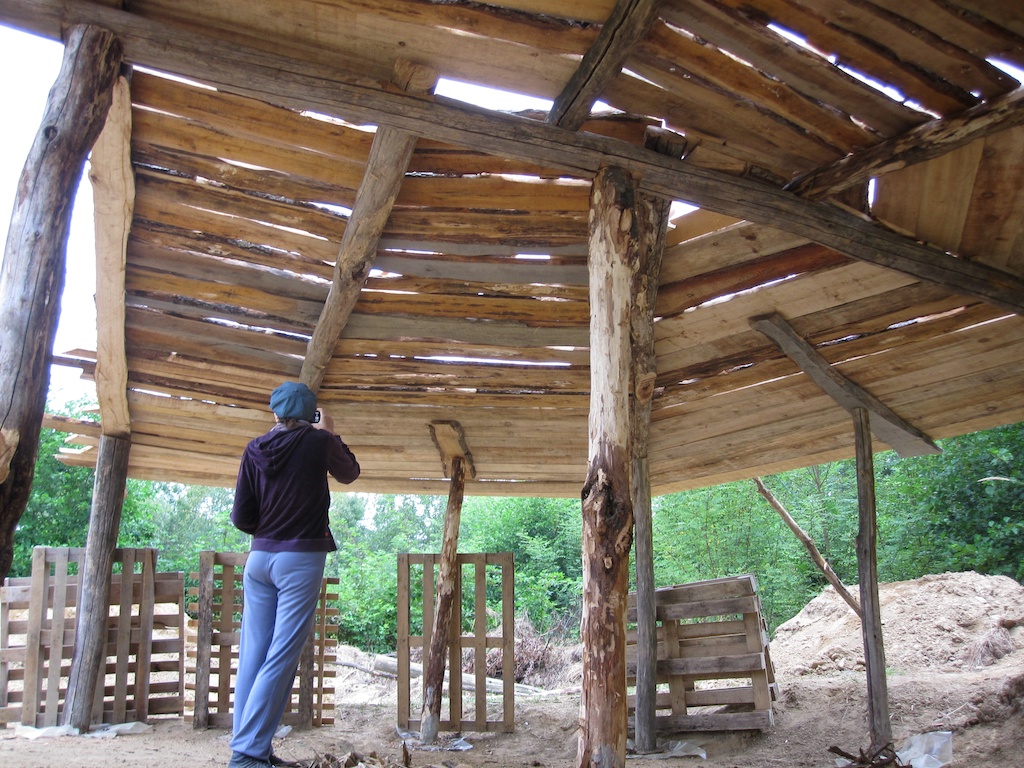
(456, 459)
(607, 506)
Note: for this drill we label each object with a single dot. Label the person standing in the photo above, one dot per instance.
(281, 499)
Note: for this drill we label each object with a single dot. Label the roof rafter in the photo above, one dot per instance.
(904, 438)
(389, 159)
(301, 85)
(925, 142)
(626, 26)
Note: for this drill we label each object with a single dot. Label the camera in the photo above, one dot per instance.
(316, 417)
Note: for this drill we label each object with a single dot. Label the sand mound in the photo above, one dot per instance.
(947, 622)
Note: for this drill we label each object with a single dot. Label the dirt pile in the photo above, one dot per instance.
(950, 622)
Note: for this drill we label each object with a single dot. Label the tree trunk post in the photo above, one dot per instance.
(434, 663)
(867, 574)
(94, 585)
(653, 224)
(606, 504)
(32, 277)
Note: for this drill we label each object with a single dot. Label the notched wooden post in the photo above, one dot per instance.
(457, 461)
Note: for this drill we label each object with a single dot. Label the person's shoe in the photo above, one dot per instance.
(238, 760)
(280, 762)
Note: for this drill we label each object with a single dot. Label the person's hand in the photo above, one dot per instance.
(326, 421)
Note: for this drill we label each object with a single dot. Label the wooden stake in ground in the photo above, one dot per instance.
(455, 457)
(607, 506)
(867, 573)
(91, 633)
(32, 279)
(812, 549)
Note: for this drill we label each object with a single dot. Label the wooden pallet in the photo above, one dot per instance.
(144, 667)
(474, 643)
(213, 652)
(714, 668)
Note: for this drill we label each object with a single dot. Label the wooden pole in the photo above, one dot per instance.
(94, 589)
(653, 224)
(433, 675)
(32, 277)
(607, 507)
(867, 571)
(810, 546)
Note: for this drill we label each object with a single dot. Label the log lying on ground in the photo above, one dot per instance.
(388, 665)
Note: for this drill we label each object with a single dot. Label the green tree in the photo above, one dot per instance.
(962, 509)
(57, 514)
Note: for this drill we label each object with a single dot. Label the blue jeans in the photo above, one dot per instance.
(281, 590)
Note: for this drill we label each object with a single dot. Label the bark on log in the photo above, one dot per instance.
(812, 549)
(94, 592)
(433, 678)
(32, 279)
(607, 507)
(867, 573)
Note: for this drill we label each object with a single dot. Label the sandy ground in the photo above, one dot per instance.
(952, 666)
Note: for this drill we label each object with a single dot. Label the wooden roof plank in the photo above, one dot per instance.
(249, 72)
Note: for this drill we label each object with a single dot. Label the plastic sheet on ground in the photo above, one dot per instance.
(104, 731)
(668, 749)
(927, 750)
(443, 744)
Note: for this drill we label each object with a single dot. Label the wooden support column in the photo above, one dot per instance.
(455, 457)
(94, 588)
(32, 278)
(653, 224)
(867, 574)
(607, 507)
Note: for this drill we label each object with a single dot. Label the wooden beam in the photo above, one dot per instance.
(627, 25)
(607, 507)
(389, 159)
(113, 192)
(652, 229)
(867, 575)
(301, 85)
(35, 256)
(91, 629)
(924, 142)
(904, 438)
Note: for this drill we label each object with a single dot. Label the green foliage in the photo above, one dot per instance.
(729, 530)
(57, 514)
(545, 539)
(963, 509)
(189, 519)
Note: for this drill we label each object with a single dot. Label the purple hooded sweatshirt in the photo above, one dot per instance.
(282, 497)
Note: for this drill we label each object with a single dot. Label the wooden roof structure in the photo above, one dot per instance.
(269, 140)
